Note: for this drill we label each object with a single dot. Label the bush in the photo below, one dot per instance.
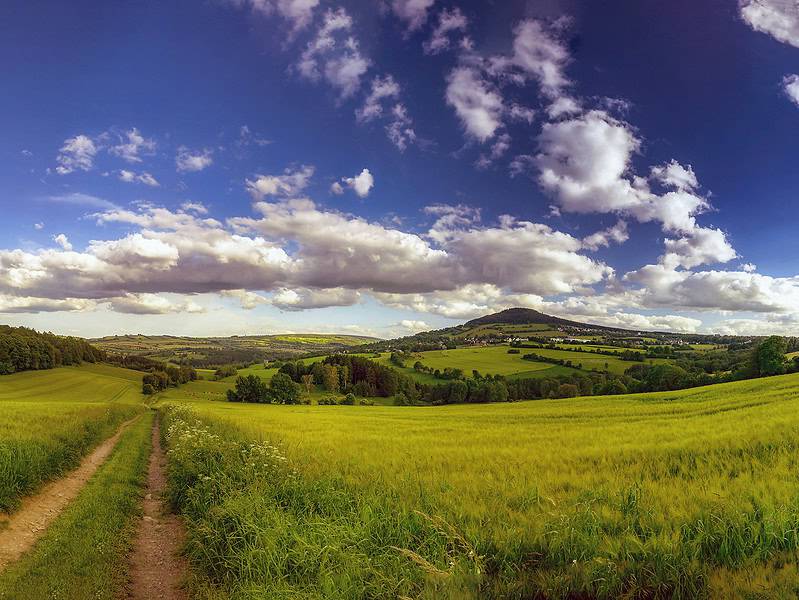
(147, 389)
(349, 400)
(514, 351)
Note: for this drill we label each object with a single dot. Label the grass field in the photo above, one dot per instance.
(495, 360)
(681, 494)
(50, 419)
(84, 553)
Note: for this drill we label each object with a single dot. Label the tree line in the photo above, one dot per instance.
(158, 376)
(23, 349)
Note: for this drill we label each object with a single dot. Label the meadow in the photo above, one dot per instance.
(664, 495)
(50, 419)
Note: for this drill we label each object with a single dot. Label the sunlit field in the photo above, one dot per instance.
(679, 494)
(49, 419)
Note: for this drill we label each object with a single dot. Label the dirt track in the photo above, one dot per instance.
(30, 522)
(156, 569)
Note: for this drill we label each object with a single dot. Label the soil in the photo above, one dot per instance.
(157, 570)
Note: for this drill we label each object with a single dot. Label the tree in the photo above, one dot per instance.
(330, 378)
(768, 357)
(307, 382)
(283, 390)
(250, 388)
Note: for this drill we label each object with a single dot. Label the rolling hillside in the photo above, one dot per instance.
(212, 351)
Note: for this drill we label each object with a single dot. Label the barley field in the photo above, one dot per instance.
(665, 495)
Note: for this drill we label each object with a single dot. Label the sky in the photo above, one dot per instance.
(383, 167)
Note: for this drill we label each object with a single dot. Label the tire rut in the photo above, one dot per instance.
(156, 569)
(25, 526)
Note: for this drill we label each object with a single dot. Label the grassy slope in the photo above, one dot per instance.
(50, 419)
(83, 554)
(693, 491)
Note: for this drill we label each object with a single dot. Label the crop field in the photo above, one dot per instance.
(680, 494)
(495, 360)
(49, 419)
(223, 350)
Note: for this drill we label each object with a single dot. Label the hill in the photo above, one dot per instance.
(528, 316)
(214, 351)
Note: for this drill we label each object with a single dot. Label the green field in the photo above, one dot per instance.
(680, 494)
(495, 360)
(49, 419)
(225, 350)
(84, 552)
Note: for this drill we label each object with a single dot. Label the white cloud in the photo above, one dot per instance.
(538, 52)
(448, 21)
(195, 207)
(291, 183)
(77, 154)
(10, 304)
(143, 177)
(701, 246)
(400, 128)
(412, 12)
(297, 12)
(413, 326)
(38, 226)
(361, 184)
(790, 85)
(152, 304)
(777, 18)
(62, 241)
(748, 268)
(382, 88)
(478, 105)
(616, 234)
(517, 112)
(132, 145)
(80, 199)
(334, 54)
(304, 299)
(248, 300)
(188, 161)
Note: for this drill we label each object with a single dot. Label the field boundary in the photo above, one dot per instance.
(21, 530)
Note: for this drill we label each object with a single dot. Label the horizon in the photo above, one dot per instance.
(240, 167)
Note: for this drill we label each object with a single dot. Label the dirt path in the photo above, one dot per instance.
(25, 526)
(157, 570)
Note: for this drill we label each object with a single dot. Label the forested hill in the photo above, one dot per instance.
(23, 349)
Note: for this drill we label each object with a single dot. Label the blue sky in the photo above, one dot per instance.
(254, 166)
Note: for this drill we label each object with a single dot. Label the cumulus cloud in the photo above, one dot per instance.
(195, 207)
(133, 177)
(615, 234)
(477, 103)
(304, 299)
(10, 304)
(132, 145)
(189, 161)
(361, 184)
(385, 91)
(412, 12)
(777, 18)
(716, 290)
(297, 12)
(63, 241)
(291, 183)
(334, 54)
(448, 21)
(790, 85)
(151, 304)
(77, 154)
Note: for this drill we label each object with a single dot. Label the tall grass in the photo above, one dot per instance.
(668, 495)
(257, 529)
(83, 553)
(45, 429)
